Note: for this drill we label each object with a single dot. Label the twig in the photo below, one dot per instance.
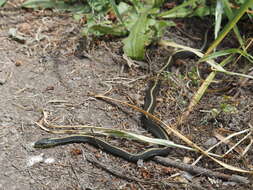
(114, 172)
(76, 176)
(130, 178)
(199, 170)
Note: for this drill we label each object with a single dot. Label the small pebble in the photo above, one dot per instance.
(2, 81)
(49, 160)
(140, 163)
(34, 159)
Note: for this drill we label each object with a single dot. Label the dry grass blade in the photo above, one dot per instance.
(236, 145)
(177, 133)
(248, 147)
(45, 122)
(229, 143)
(250, 144)
(223, 140)
(45, 125)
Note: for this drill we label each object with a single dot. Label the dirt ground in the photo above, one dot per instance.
(49, 71)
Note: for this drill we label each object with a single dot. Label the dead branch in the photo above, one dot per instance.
(199, 170)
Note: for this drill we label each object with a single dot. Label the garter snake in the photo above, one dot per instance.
(155, 129)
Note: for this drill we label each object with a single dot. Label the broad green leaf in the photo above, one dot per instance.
(160, 26)
(124, 8)
(154, 3)
(189, 12)
(138, 39)
(38, 4)
(202, 11)
(2, 2)
(61, 5)
(99, 30)
(167, 14)
(179, 13)
(116, 10)
(99, 5)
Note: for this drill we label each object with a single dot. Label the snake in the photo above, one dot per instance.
(147, 123)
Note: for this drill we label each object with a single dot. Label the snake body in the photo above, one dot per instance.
(155, 129)
(131, 157)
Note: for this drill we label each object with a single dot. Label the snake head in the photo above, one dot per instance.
(45, 143)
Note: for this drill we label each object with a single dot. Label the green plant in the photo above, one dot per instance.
(2, 2)
(140, 23)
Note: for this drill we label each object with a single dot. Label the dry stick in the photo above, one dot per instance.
(76, 176)
(116, 172)
(131, 178)
(199, 170)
